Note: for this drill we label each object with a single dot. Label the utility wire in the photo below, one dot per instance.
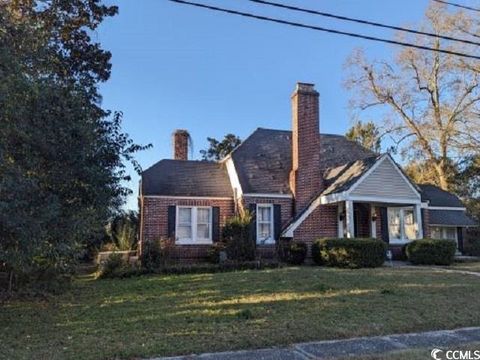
(365, 22)
(332, 31)
(458, 5)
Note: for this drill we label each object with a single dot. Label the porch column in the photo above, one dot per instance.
(349, 219)
(418, 216)
(341, 220)
(373, 223)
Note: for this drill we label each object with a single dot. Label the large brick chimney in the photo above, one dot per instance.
(181, 139)
(305, 178)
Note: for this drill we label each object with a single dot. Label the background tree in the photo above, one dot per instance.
(218, 150)
(432, 100)
(62, 157)
(366, 134)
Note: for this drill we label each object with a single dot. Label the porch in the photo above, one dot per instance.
(394, 223)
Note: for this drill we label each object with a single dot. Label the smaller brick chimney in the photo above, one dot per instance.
(181, 139)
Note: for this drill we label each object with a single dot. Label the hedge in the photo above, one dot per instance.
(431, 252)
(351, 253)
(127, 271)
(296, 252)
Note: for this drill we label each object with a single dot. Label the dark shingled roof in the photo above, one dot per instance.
(264, 160)
(438, 197)
(186, 178)
(450, 217)
(342, 177)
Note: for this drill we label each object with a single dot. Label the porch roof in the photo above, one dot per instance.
(450, 218)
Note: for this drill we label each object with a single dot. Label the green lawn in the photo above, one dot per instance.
(467, 266)
(167, 315)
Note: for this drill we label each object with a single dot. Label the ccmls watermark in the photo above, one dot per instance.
(438, 354)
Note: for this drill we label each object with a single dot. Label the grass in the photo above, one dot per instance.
(467, 266)
(169, 315)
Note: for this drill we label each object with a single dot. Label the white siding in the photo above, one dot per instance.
(385, 181)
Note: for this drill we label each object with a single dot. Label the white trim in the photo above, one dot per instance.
(373, 223)
(349, 218)
(340, 228)
(187, 197)
(380, 199)
(446, 208)
(194, 228)
(417, 222)
(267, 195)
(271, 239)
(233, 175)
(288, 232)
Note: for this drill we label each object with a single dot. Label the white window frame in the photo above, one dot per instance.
(443, 230)
(194, 219)
(271, 239)
(403, 238)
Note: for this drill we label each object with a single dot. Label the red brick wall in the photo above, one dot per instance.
(322, 222)
(362, 212)
(155, 221)
(305, 178)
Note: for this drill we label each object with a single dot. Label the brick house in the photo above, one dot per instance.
(300, 184)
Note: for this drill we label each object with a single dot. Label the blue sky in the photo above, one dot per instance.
(180, 67)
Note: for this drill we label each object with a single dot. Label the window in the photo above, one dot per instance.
(194, 225)
(409, 224)
(402, 225)
(265, 224)
(443, 232)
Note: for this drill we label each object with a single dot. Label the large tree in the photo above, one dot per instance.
(432, 99)
(366, 134)
(62, 157)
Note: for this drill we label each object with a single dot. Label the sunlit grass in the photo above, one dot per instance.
(182, 314)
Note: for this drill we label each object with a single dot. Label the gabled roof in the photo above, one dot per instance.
(438, 197)
(264, 160)
(342, 177)
(186, 178)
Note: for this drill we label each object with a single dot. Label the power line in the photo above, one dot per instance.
(365, 22)
(458, 5)
(332, 31)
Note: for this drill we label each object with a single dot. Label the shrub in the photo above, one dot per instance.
(213, 254)
(352, 253)
(113, 264)
(180, 269)
(295, 252)
(431, 252)
(240, 245)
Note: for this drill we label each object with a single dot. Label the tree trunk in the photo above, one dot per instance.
(442, 176)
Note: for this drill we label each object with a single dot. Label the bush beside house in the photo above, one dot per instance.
(294, 252)
(431, 252)
(351, 253)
